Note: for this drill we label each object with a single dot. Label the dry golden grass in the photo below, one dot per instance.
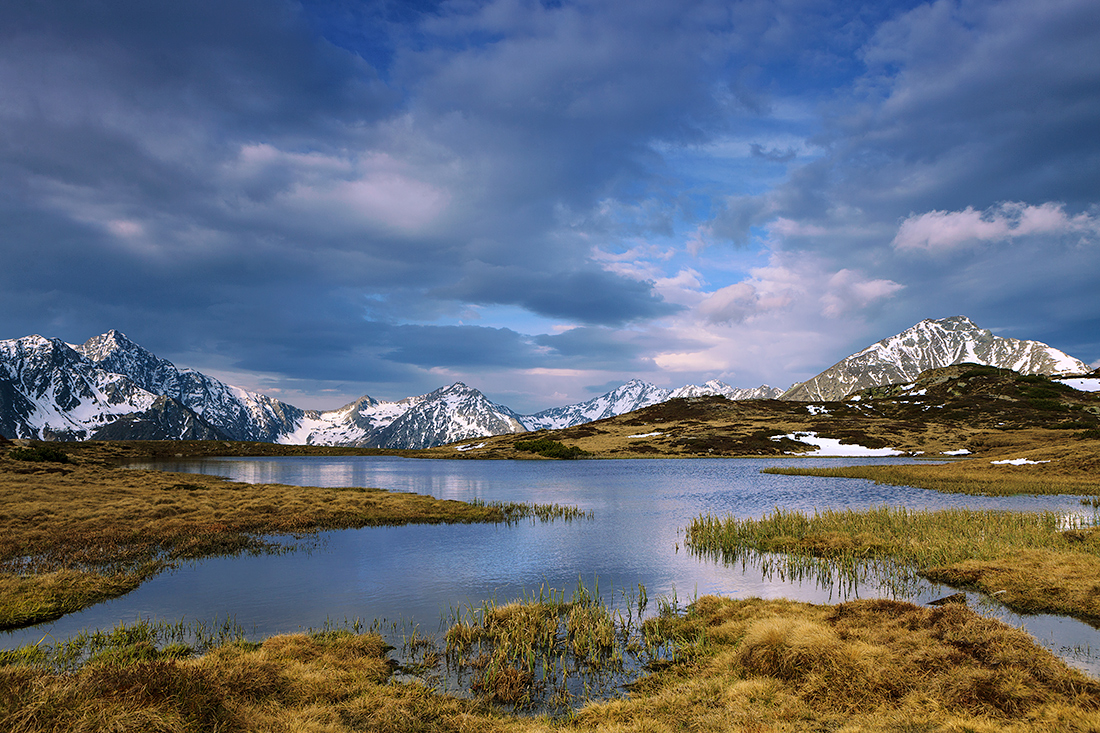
(1034, 581)
(72, 535)
(764, 666)
(858, 666)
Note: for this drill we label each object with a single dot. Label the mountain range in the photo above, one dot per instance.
(110, 388)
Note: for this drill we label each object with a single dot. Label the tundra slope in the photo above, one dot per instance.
(967, 407)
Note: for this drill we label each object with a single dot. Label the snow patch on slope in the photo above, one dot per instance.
(831, 447)
(1082, 384)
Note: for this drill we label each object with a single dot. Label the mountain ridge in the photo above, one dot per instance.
(110, 387)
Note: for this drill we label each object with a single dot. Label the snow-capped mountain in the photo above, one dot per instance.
(448, 414)
(112, 389)
(634, 395)
(715, 387)
(928, 345)
(347, 425)
(49, 390)
(238, 413)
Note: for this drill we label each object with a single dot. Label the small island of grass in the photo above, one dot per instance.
(73, 533)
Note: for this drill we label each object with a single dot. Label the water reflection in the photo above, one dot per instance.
(415, 574)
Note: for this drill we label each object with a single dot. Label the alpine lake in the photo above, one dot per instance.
(414, 577)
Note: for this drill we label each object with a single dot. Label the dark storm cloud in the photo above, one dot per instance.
(250, 67)
(961, 104)
(460, 346)
(174, 163)
(593, 297)
(317, 191)
(975, 103)
(597, 347)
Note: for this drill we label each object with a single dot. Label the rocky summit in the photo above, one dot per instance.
(929, 345)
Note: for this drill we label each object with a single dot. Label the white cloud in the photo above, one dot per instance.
(731, 304)
(802, 286)
(942, 231)
(848, 292)
(125, 228)
(353, 191)
(695, 361)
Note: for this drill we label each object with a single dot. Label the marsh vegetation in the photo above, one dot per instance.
(739, 665)
(1034, 562)
(549, 661)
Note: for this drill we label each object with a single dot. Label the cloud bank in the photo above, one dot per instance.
(537, 198)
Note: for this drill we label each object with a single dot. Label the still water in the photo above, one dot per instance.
(415, 574)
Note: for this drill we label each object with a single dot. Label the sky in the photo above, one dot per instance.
(327, 199)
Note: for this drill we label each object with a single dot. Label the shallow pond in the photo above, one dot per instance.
(415, 574)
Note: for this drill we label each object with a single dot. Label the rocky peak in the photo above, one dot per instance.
(931, 344)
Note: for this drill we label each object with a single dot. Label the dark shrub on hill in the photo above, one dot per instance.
(39, 454)
(550, 448)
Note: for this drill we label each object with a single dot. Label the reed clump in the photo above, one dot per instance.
(1034, 561)
(545, 652)
(74, 535)
(512, 511)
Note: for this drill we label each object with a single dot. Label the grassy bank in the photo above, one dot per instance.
(1031, 561)
(1058, 465)
(969, 477)
(749, 665)
(73, 534)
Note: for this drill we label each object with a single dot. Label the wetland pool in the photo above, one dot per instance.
(413, 575)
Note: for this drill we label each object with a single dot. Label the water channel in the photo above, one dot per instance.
(414, 574)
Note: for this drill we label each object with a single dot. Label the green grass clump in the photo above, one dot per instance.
(547, 653)
(513, 511)
(550, 448)
(141, 641)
